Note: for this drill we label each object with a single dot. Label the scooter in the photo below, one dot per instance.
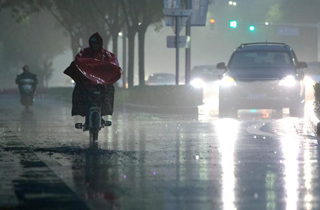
(95, 122)
(27, 92)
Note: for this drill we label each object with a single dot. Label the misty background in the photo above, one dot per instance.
(36, 34)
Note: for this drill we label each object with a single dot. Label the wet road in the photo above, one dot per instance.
(154, 161)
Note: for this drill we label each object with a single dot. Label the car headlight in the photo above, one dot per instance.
(288, 81)
(227, 81)
(198, 83)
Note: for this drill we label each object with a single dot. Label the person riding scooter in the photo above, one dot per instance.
(97, 53)
(27, 83)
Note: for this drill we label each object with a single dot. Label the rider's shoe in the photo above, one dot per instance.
(105, 123)
(78, 126)
(85, 127)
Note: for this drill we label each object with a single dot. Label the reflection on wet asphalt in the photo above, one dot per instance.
(155, 161)
(27, 182)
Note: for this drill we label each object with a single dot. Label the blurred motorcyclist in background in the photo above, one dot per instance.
(27, 83)
(80, 92)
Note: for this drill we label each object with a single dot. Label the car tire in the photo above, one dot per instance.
(227, 110)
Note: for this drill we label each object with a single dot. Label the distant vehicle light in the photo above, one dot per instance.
(288, 81)
(198, 83)
(227, 81)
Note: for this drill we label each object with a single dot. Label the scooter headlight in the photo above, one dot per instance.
(288, 81)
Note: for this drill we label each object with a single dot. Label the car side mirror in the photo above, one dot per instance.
(302, 65)
(222, 66)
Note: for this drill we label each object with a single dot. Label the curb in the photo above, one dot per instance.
(315, 124)
(314, 121)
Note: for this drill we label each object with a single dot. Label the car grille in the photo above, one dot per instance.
(262, 80)
(258, 84)
(265, 88)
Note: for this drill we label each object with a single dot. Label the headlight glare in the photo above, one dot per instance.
(288, 81)
(227, 81)
(198, 83)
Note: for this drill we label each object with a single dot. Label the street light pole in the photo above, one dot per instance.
(124, 57)
(188, 50)
(177, 27)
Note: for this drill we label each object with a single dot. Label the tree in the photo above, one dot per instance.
(274, 14)
(79, 18)
(33, 41)
(295, 11)
(110, 11)
(139, 15)
(150, 14)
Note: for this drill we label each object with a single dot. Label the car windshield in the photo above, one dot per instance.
(260, 59)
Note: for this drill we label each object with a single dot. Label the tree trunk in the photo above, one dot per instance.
(115, 43)
(131, 37)
(141, 38)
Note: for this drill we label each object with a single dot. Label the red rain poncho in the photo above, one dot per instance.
(91, 71)
(91, 68)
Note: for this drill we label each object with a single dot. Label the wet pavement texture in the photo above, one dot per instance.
(155, 161)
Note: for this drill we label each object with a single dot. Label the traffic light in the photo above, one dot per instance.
(252, 28)
(212, 22)
(233, 24)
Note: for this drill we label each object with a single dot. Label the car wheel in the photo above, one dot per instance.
(226, 110)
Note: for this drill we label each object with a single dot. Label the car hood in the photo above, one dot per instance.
(262, 73)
